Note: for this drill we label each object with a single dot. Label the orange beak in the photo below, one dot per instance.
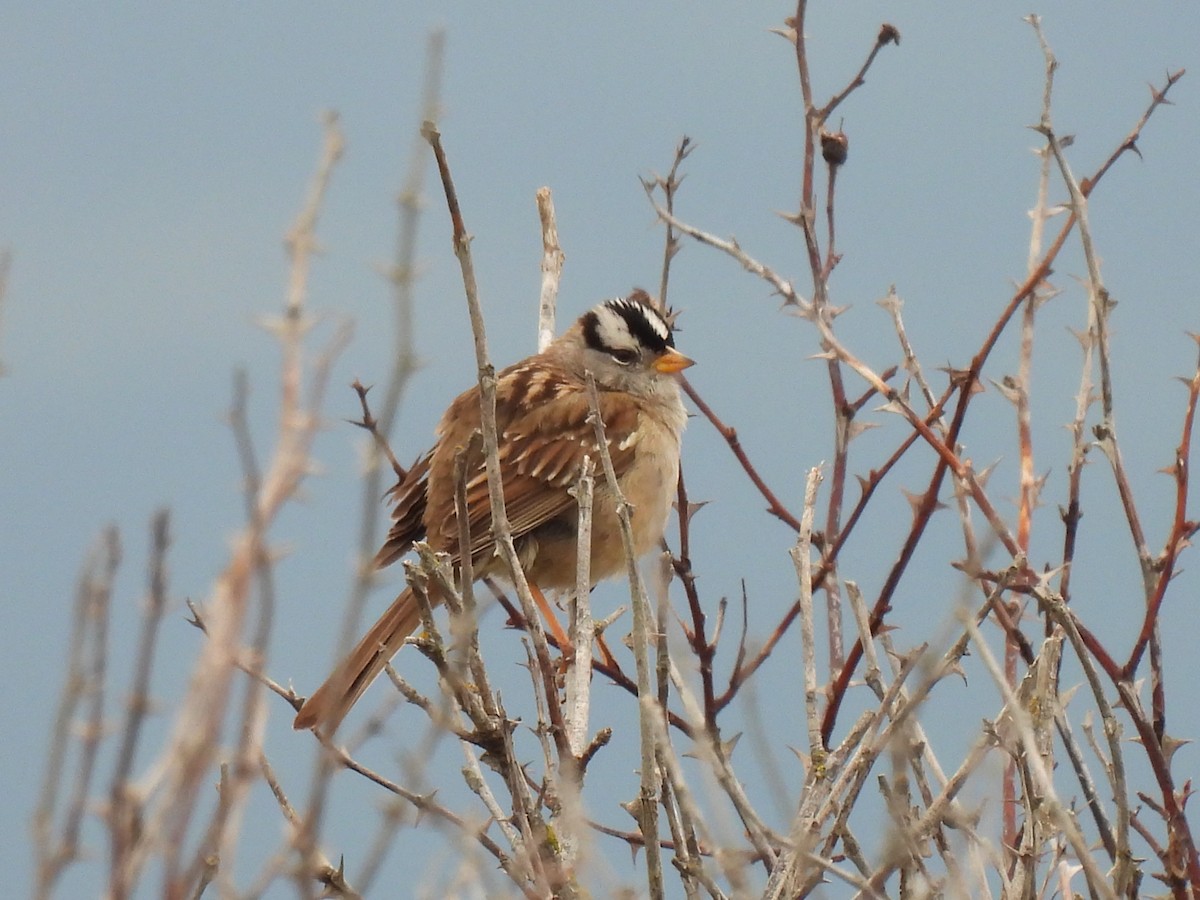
(672, 361)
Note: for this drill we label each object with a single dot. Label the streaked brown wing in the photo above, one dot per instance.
(541, 455)
(409, 498)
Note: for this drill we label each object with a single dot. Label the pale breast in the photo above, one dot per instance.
(648, 485)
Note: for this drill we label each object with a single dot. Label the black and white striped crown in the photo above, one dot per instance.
(627, 324)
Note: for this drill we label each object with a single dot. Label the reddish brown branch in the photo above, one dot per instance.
(928, 500)
(682, 563)
(1182, 863)
(697, 637)
(774, 506)
(888, 34)
(1181, 531)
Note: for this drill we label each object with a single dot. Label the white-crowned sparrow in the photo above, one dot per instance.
(542, 412)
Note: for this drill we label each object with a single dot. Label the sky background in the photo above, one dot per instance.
(153, 157)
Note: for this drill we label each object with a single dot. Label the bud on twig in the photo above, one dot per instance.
(888, 34)
(834, 147)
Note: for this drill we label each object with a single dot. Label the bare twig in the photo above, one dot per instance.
(501, 528)
(87, 653)
(801, 556)
(125, 806)
(552, 265)
(199, 722)
(647, 802)
(582, 628)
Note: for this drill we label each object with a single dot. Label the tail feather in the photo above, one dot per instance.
(330, 703)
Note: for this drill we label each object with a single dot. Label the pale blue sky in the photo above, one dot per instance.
(153, 156)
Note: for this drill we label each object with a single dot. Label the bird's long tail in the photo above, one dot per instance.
(326, 708)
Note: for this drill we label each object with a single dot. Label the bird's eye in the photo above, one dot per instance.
(623, 357)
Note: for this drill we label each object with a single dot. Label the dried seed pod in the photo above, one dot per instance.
(834, 147)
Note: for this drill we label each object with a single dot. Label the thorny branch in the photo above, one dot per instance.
(534, 829)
